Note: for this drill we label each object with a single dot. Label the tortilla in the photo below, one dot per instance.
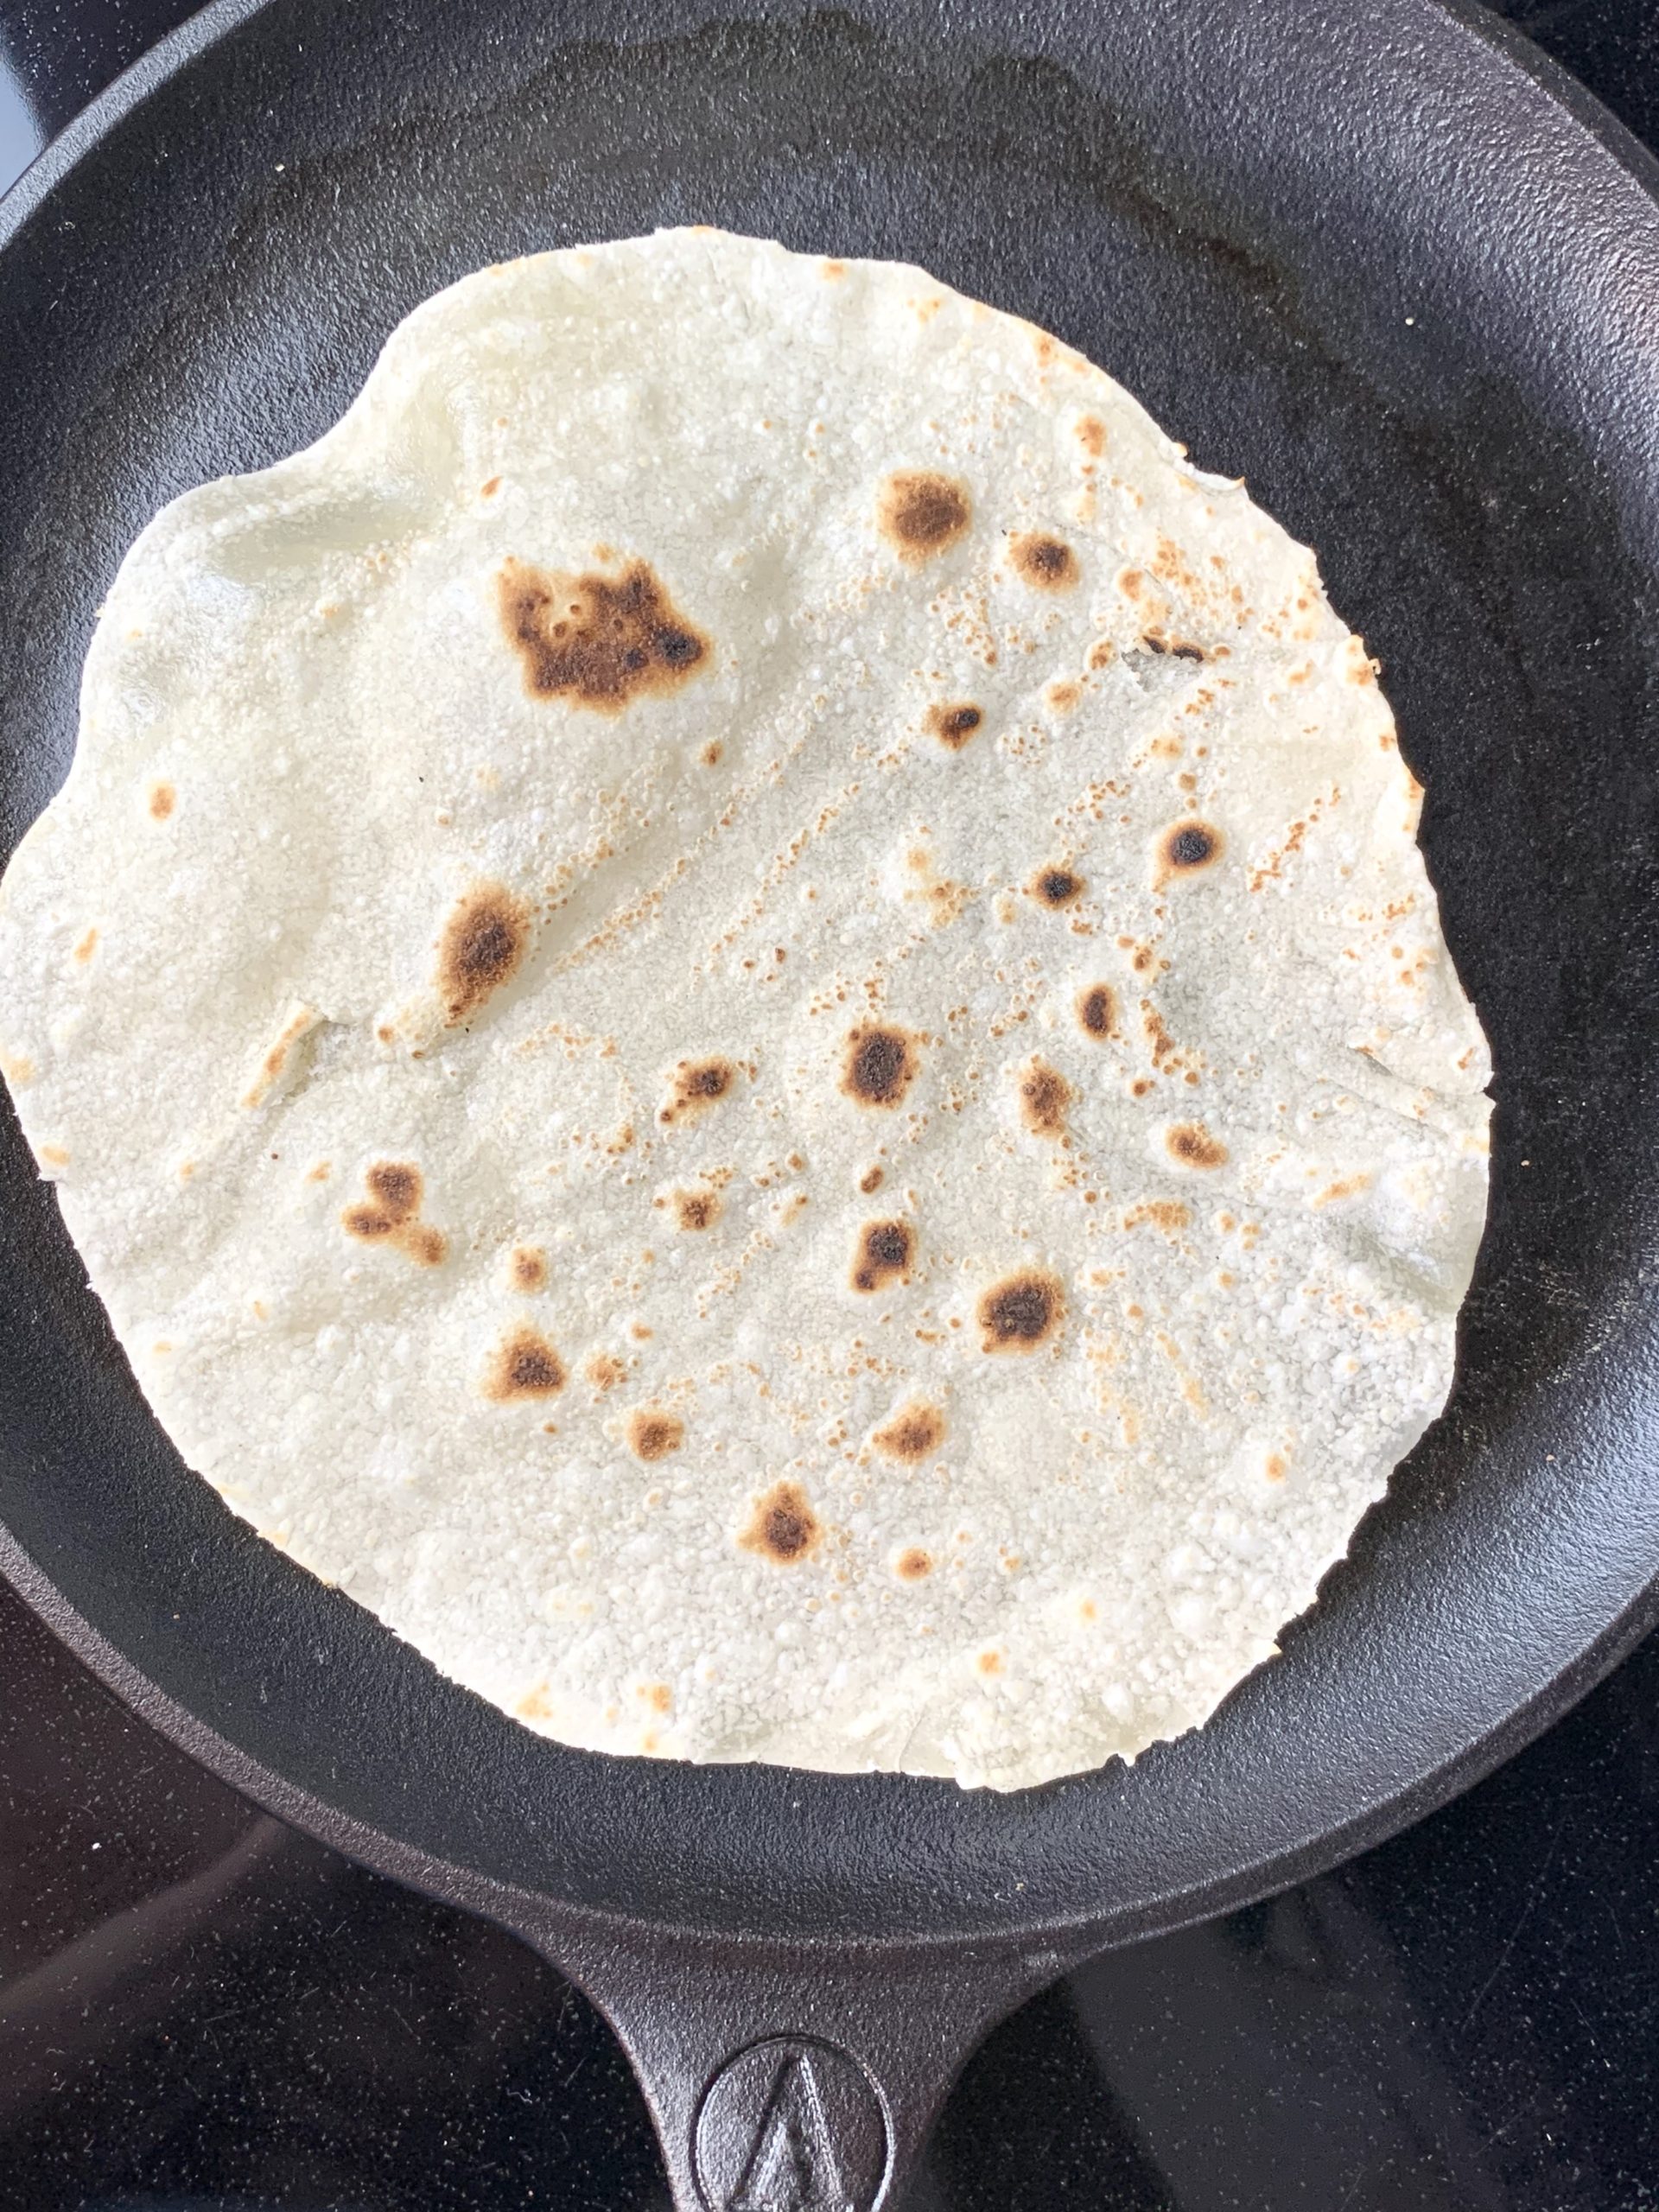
(736, 1005)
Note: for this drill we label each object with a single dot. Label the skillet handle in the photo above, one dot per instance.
(785, 2078)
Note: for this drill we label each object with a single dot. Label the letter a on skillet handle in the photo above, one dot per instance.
(784, 2078)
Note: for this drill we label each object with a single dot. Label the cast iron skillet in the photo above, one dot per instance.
(1373, 254)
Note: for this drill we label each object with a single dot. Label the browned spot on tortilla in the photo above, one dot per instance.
(489, 491)
(525, 1366)
(784, 1528)
(1165, 1057)
(910, 1433)
(396, 1189)
(989, 1663)
(880, 1066)
(535, 1705)
(1056, 887)
(422, 1243)
(597, 641)
(162, 799)
(832, 269)
(603, 1371)
(1192, 1145)
(1022, 1310)
(653, 1434)
(920, 513)
(658, 1695)
(954, 726)
(87, 946)
(54, 1155)
(711, 753)
(1101, 654)
(696, 1209)
(1276, 1469)
(1091, 436)
(1063, 696)
(913, 1565)
(1047, 562)
(695, 1086)
(528, 1268)
(872, 1178)
(1097, 1011)
(482, 943)
(1045, 1096)
(1167, 1214)
(886, 1249)
(393, 1214)
(1188, 846)
(320, 1172)
(1348, 1186)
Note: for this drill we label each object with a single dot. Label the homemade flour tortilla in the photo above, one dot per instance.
(736, 1006)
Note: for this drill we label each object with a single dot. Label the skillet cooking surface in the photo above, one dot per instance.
(1354, 254)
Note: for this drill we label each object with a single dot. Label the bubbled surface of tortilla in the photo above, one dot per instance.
(737, 1007)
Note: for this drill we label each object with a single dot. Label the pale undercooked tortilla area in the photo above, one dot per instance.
(737, 1007)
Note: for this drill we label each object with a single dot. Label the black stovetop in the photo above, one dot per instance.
(200, 2008)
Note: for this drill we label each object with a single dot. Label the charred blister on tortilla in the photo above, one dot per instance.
(481, 946)
(1045, 562)
(1022, 1312)
(916, 1430)
(1097, 1012)
(392, 1215)
(1046, 1098)
(885, 1254)
(524, 1366)
(695, 1086)
(954, 725)
(1056, 887)
(782, 1527)
(599, 641)
(694, 1210)
(653, 1434)
(920, 513)
(1185, 849)
(1191, 1144)
(880, 1064)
